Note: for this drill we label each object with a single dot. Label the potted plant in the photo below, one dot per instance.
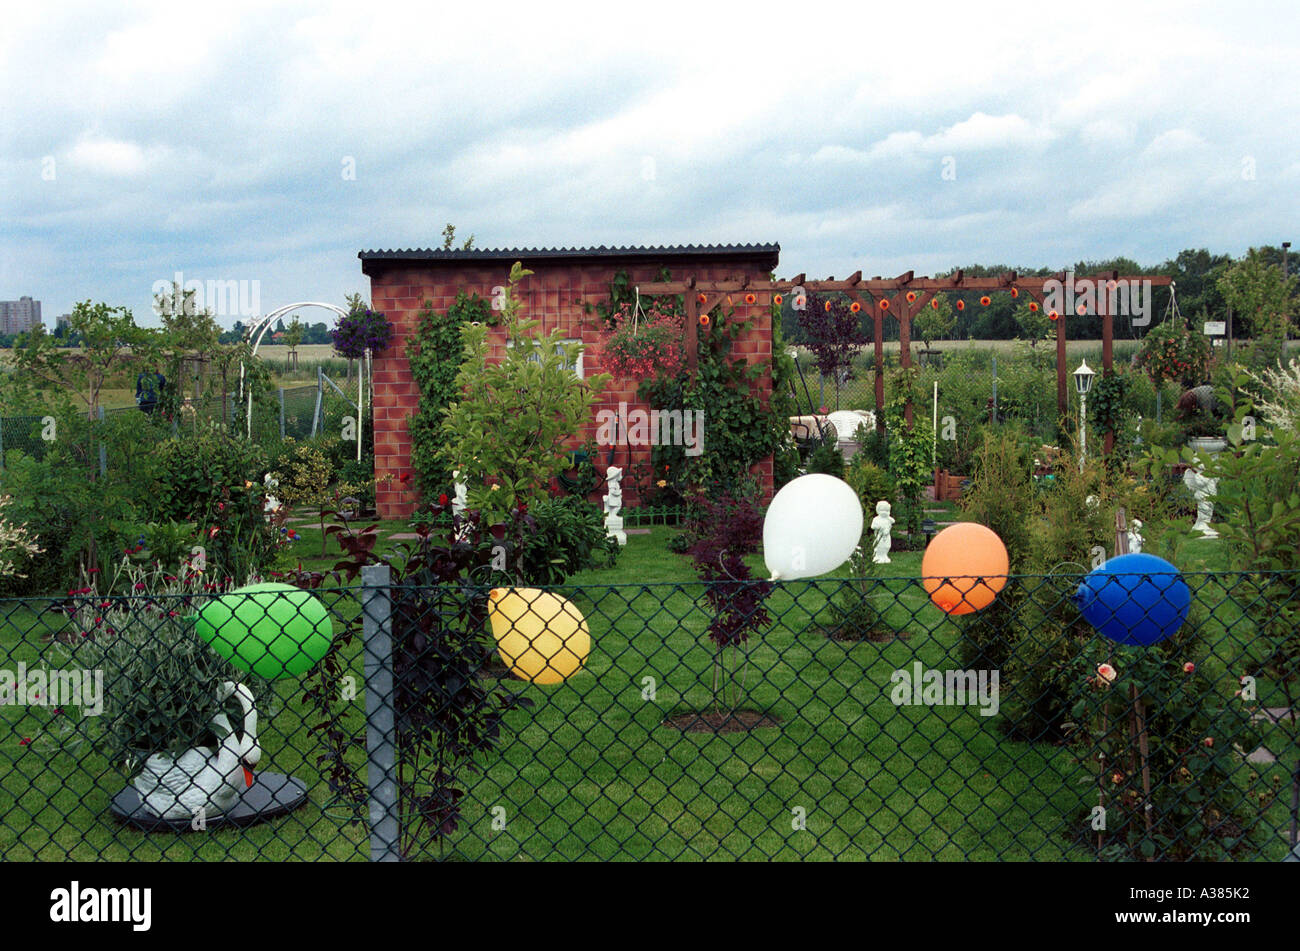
(179, 719)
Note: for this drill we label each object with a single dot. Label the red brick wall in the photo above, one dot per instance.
(553, 295)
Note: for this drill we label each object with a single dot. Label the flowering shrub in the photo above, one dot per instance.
(1175, 351)
(1278, 396)
(359, 331)
(16, 544)
(644, 348)
(1156, 707)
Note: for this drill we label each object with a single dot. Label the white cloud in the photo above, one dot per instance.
(112, 156)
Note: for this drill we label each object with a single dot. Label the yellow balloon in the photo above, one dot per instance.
(541, 636)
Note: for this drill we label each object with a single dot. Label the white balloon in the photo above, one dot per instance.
(812, 526)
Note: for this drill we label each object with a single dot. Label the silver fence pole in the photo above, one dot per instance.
(282, 412)
(315, 414)
(995, 389)
(2, 442)
(381, 730)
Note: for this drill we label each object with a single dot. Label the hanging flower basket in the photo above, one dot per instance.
(643, 347)
(358, 332)
(1175, 351)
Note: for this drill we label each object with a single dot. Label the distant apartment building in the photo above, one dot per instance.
(19, 316)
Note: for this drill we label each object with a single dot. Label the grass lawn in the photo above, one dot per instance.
(591, 772)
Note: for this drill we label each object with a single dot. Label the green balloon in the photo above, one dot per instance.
(272, 629)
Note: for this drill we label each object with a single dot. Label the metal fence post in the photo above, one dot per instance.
(381, 731)
(282, 412)
(103, 450)
(2, 442)
(315, 414)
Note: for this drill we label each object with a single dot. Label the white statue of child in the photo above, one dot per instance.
(1135, 537)
(882, 525)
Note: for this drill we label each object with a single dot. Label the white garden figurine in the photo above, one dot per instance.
(882, 525)
(204, 778)
(1135, 537)
(272, 504)
(1202, 489)
(614, 504)
(459, 502)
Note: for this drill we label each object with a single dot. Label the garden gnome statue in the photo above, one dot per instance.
(882, 525)
(1202, 489)
(613, 504)
(1135, 537)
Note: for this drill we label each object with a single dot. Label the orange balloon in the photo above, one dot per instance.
(964, 567)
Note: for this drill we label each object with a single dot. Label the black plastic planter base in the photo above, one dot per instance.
(271, 795)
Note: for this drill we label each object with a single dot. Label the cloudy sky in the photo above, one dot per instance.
(271, 142)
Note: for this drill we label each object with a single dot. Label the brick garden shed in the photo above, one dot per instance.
(563, 280)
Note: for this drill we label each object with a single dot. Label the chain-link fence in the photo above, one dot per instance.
(828, 719)
(287, 413)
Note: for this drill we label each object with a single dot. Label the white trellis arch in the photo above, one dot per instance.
(257, 330)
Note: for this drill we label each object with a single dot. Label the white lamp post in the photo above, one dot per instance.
(1083, 383)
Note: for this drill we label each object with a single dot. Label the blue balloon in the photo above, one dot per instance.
(1137, 599)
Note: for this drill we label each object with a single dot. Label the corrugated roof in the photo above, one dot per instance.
(534, 254)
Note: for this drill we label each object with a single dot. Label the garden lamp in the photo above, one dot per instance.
(1083, 383)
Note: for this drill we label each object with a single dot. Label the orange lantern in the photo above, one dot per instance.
(1015, 292)
(855, 307)
(964, 567)
(884, 304)
(961, 305)
(1033, 307)
(777, 299)
(750, 298)
(1052, 315)
(704, 320)
(985, 300)
(911, 296)
(827, 307)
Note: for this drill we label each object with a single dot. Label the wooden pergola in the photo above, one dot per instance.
(902, 297)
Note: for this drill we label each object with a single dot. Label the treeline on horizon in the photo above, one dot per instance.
(1195, 273)
(311, 334)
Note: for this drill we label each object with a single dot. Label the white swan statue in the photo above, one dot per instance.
(204, 778)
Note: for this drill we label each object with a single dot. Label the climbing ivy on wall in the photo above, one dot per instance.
(738, 429)
(435, 357)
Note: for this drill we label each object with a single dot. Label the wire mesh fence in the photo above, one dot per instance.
(288, 413)
(842, 719)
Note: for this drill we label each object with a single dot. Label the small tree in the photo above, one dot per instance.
(110, 340)
(1257, 291)
(508, 432)
(292, 338)
(833, 332)
(935, 320)
(1034, 324)
(723, 533)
